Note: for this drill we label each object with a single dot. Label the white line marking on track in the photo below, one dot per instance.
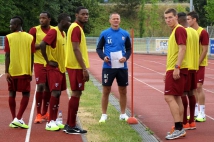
(27, 139)
(149, 69)
(147, 84)
(1, 75)
(209, 117)
(208, 91)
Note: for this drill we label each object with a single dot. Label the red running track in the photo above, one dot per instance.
(36, 132)
(149, 104)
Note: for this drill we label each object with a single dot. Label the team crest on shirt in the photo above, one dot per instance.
(80, 84)
(37, 79)
(123, 38)
(56, 84)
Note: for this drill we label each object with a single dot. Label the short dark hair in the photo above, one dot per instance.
(182, 18)
(181, 14)
(112, 14)
(171, 10)
(194, 14)
(48, 14)
(62, 16)
(19, 20)
(79, 8)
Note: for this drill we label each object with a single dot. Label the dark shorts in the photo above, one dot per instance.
(200, 74)
(108, 76)
(56, 79)
(175, 87)
(40, 73)
(191, 82)
(20, 83)
(76, 79)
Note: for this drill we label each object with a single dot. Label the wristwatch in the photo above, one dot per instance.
(177, 67)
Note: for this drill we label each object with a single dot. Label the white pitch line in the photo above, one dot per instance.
(208, 91)
(27, 139)
(210, 117)
(149, 69)
(1, 75)
(162, 92)
(147, 84)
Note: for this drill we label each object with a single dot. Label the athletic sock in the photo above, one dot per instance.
(23, 106)
(196, 109)
(192, 103)
(38, 102)
(53, 108)
(12, 105)
(185, 104)
(46, 102)
(73, 104)
(178, 125)
(68, 114)
(202, 109)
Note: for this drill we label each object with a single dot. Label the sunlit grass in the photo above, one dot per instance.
(89, 114)
(2, 57)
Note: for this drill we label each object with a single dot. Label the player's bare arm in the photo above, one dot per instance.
(79, 58)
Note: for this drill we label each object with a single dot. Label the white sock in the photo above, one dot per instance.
(104, 116)
(123, 115)
(196, 109)
(202, 109)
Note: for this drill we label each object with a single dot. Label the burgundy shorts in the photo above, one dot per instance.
(175, 87)
(200, 74)
(191, 82)
(20, 83)
(76, 79)
(56, 79)
(40, 73)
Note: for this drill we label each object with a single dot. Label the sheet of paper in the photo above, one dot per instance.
(115, 57)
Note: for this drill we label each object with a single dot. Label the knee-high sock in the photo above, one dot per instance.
(68, 114)
(53, 108)
(46, 101)
(57, 108)
(23, 106)
(185, 104)
(192, 102)
(38, 102)
(12, 105)
(73, 104)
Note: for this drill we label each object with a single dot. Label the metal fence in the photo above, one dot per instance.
(1, 42)
(148, 45)
(140, 45)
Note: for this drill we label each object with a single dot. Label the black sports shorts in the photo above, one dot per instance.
(108, 76)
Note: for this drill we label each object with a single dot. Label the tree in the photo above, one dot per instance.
(141, 17)
(153, 16)
(127, 8)
(210, 11)
(7, 10)
(29, 10)
(199, 8)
